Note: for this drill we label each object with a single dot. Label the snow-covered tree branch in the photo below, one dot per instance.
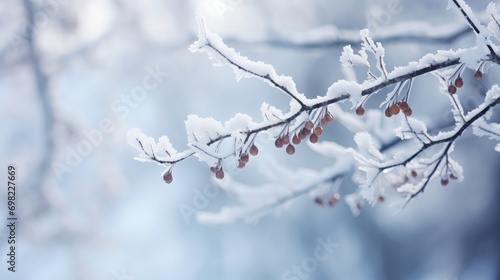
(330, 36)
(384, 158)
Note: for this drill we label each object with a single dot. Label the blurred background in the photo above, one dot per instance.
(68, 69)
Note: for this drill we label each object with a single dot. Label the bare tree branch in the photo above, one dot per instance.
(41, 82)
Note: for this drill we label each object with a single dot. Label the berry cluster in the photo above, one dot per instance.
(457, 82)
(218, 171)
(325, 201)
(395, 108)
(445, 179)
(413, 175)
(245, 157)
(312, 128)
(391, 110)
(242, 161)
(309, 128)
(450, 175)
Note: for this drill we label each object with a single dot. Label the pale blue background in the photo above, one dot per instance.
(112, 213)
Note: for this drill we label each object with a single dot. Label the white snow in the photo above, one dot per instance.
(355, 202)
(367, 146)
(212, 44)
(493, 24)
(411, 126)
(213, 140)
(149, 148)
(203, 130)
(240, 122)
(349, 59)
(343, 87)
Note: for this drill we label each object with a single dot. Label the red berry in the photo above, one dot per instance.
(403, 105)
(334, 199)
(254, 150)
(359, 206)
(290, 149)
(478, 75)
(328, 117)
(388, 112)
(394, 109)
(381, 198)
(241, 164)
(286, 140)
(302, 134)
(309, 125)
(318, 130)
(444, 181)
(323, 121)
(167, 177)
(452, 89)
(278, 143)
(408, 112)
(213, 169)
(295, 140)
(313, 138)
(414, 173)
(360, 111)
(453, 176)
(318, 201)
(459, 82)
(244, 158)
(219, 174)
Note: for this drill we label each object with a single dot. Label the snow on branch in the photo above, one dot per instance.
(212, 44)
(483, 33)
(286, 186)
(417, 168)
(375, 163)
(329, 36)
